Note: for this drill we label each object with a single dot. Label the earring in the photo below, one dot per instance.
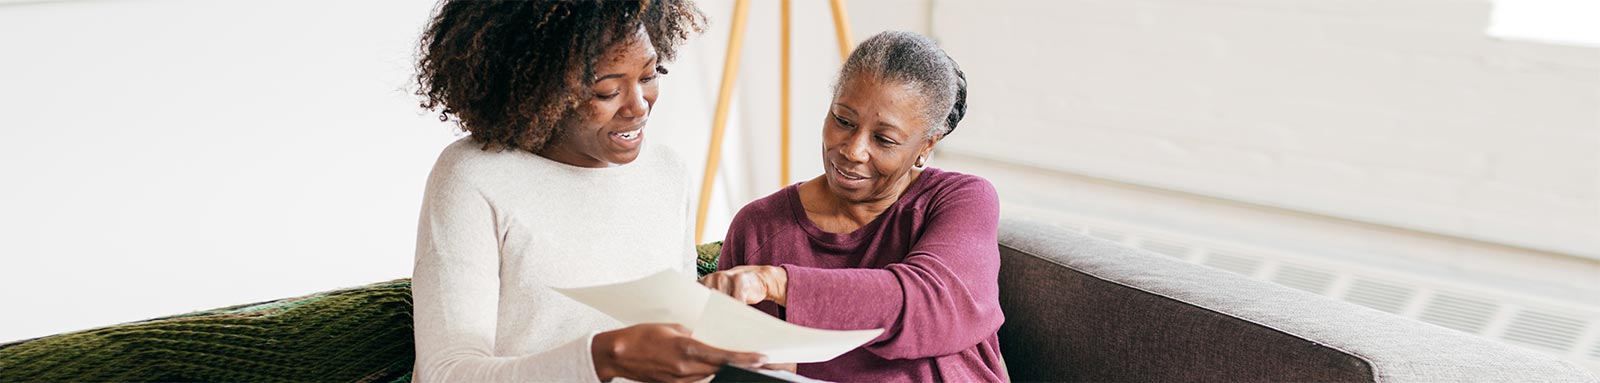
(922, 161)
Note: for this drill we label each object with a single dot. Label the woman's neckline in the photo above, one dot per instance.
(643, 150)
(798, 210)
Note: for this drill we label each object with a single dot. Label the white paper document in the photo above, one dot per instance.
(716, 319)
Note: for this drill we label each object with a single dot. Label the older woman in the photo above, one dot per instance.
(554, 187)
(881, 240)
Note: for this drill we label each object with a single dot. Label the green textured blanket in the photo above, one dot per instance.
(360, 334)
(354, 335)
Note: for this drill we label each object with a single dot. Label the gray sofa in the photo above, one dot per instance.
(1084, 309)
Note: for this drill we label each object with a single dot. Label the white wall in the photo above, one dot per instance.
(164, 156)
(1402, 113)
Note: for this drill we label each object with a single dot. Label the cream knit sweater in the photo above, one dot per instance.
(498, 229)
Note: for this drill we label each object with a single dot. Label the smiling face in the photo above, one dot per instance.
(871, 139)
(608, 129)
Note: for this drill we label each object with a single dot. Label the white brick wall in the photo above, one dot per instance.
(1401, 112)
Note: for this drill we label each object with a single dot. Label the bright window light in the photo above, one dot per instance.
(1555, 21)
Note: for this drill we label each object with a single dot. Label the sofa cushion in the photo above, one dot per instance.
(1066, 325)
(1081, 308)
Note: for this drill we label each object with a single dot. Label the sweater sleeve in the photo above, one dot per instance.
(690, 214)
(941, 299)
(455, 289)
(732, 252)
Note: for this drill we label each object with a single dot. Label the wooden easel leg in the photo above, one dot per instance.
(783, 171)
(841, 25)
(730, 71)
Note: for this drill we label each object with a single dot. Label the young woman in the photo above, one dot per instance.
(555, 186)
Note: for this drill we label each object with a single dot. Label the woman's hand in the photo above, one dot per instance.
(658, 352)
(751, 284)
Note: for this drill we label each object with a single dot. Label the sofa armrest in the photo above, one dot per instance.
(1083, 309)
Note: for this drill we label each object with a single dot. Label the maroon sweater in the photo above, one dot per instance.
(925, 271)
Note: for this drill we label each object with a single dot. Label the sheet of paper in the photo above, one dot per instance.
(664, 297)
(716, 319)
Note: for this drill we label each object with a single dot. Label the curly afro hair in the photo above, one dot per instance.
(512, 72)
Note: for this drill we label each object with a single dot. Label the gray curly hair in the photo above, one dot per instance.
(915, 60)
